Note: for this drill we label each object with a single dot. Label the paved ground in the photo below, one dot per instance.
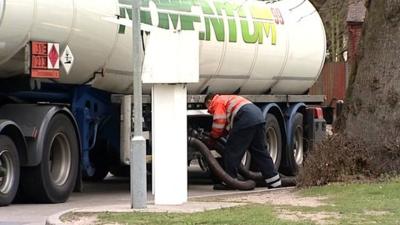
(110, 192)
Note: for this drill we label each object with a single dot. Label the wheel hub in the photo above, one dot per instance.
(298, 146)
(6, 172)
(60, 159)
(3, 172)
(272, 143)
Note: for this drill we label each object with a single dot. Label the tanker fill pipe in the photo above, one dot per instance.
(216, 168)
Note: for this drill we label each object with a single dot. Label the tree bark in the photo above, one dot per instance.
(367, 143)
(373, 101)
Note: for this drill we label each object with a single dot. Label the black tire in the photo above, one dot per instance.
(9, 170)
(273, 139)
(53, 180)
(295, 152)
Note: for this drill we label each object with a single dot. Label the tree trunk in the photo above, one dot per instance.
(373, 109)
(368, 141)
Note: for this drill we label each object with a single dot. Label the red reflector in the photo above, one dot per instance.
(318, 114)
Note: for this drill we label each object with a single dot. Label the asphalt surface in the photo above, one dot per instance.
(109, 192)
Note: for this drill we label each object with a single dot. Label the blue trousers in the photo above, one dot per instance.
(253, 139)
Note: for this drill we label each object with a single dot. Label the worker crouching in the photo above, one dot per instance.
(244, 123)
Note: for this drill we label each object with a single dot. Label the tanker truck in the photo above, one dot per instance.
(65, 66)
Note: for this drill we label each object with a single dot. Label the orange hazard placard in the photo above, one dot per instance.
(39, 48)
(39, 62)
(45, 60)
(51, 74)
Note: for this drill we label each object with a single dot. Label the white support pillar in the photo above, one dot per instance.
(169, 135)
(171, 61)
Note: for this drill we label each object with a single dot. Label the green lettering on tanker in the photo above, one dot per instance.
(165, 18)
(176, 5)
(145, 17)
(230, 12)
(249, 37)
(122, 14)
(216, 23)
(187, 22)
(220, 18)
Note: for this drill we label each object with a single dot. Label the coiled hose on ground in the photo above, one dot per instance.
(258, 177)
(216, 168)
(246, 173)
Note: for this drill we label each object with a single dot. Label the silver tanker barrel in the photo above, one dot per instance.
(248, 46)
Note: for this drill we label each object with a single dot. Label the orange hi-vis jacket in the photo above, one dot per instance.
(224, 108)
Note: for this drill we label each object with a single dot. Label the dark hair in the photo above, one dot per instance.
(209, 97)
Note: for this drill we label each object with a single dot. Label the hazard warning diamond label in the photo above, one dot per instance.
(53, 55)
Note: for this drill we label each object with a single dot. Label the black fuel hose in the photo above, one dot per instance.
(216, 168)
(256, 176)
(219, 146)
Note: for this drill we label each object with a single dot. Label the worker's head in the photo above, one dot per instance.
(208, 99)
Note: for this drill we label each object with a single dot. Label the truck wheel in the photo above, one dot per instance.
(53, 180)
(273, 139)
(295, 154)
(9, 170)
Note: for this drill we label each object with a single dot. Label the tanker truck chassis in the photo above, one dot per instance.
(51, 139)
